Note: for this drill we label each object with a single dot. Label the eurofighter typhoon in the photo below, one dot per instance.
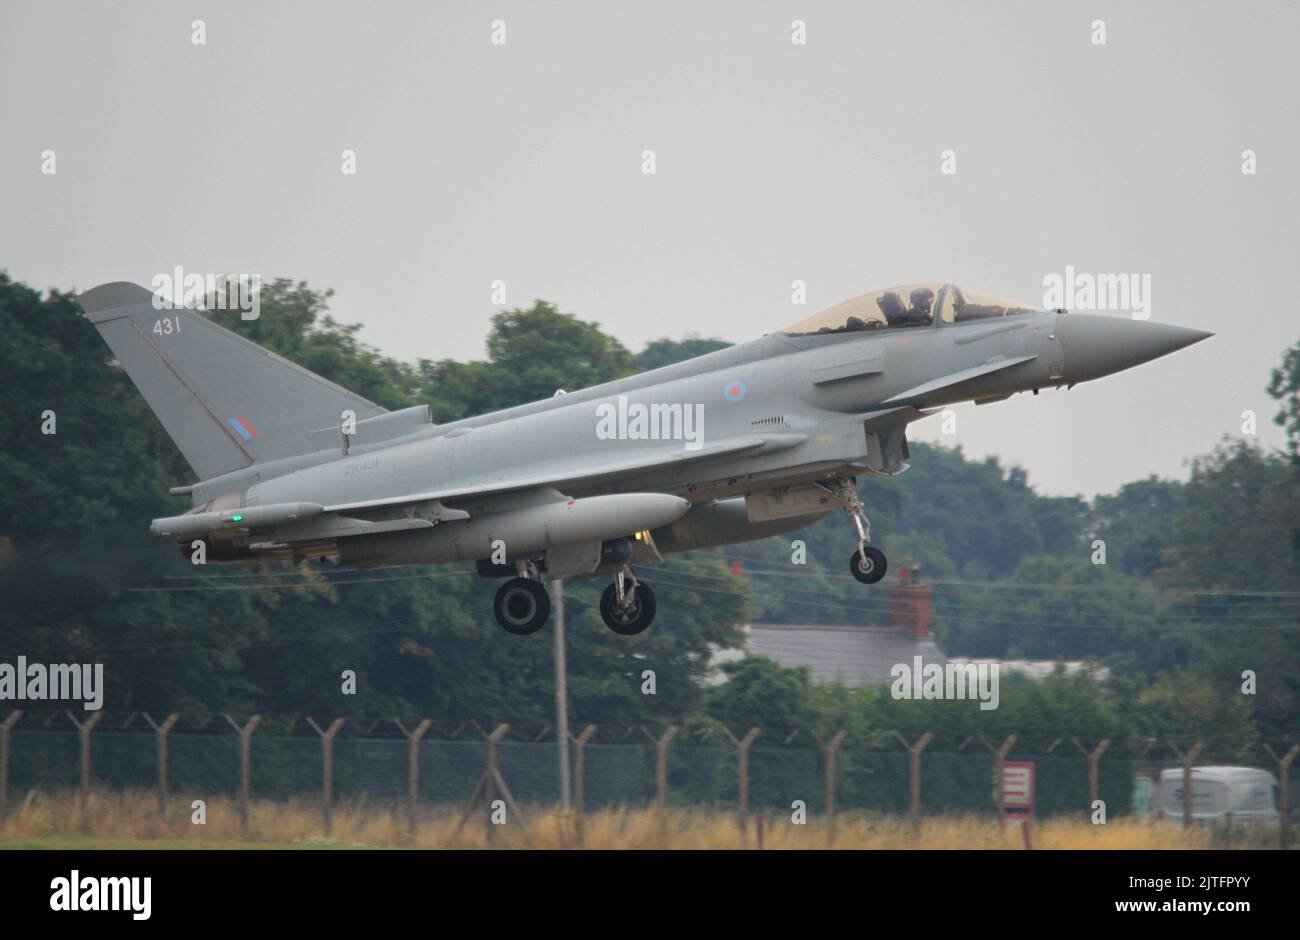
(744, 443)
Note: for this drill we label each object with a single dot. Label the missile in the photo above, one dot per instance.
(200, 523)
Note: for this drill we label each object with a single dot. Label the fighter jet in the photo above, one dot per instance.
(748, 442)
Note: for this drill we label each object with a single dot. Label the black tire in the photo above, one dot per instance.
(521, 606)
(635, 618)
(869, 565)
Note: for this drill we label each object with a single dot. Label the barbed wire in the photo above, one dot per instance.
(643, 735)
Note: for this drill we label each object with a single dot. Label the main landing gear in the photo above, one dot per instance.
(522, 605)
(868, 563)
(627, 606)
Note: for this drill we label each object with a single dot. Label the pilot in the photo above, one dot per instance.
(892, 306)
(922, 306)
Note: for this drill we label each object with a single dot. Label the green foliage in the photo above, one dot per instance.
(1284, 385)
(84, 581)
(1241, 529)
(1012, 570)
(1137, 524)
(1189, 706)
(1075, 610)
(761, 693)
(53, 360)
(532, 353)
(294, 323)
(664, 352)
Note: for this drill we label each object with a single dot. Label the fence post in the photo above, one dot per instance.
(580, 778)
(1187, 759)
(999, 771)
(915, 776)
(487, 786)
(832, 749)
(162, 730)
(413, 772)
(661, 767)
(661, 775)
(490, 776)
(245, 766)
(1283, 786)
(327, 770)
(83, 734)
(742, 778)
(1094, 769)
(4, 764)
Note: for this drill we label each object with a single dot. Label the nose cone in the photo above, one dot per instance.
(1094, 346)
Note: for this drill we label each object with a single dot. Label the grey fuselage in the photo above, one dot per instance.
(826, 406)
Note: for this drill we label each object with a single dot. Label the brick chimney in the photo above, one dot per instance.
(911, 604)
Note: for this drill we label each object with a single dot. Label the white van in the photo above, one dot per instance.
(1248, 794)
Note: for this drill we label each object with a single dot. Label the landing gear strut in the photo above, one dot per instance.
(868, 562)
(522, 604)
(627, 606)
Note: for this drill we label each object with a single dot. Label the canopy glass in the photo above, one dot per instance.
(909, 306)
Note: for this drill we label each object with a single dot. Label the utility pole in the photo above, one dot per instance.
(561, 694)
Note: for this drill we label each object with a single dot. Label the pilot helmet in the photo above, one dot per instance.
(922, 298)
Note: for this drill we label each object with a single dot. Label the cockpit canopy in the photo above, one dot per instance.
(911, 305)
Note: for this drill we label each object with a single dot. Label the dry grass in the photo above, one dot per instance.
(131, 819)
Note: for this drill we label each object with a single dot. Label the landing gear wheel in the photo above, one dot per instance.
(868, 564)
(521, 606)
(637, 612)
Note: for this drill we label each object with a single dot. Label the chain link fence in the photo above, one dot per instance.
(387, 762)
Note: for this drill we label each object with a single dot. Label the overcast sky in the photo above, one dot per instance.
(775, 161)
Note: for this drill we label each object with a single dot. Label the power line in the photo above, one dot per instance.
(1019, 585)
(960, 607)
(1169, 627)
(291, 586)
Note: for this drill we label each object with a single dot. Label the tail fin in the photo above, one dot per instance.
(226, 402)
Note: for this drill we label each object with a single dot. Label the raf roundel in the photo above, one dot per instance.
(734, 390)
(244, 428)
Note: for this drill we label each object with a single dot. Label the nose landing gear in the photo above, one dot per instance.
(868, 563)
(627, 606)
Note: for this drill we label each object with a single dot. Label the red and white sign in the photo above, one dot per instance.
(1018, 787)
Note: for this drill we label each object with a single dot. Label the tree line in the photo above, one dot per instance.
(1201, 581)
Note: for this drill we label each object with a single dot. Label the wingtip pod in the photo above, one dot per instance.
(114, 295)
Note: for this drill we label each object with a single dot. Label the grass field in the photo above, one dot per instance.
(131, 820)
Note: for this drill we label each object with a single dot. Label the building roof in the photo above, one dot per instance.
(852, 656)
(1040, 668)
